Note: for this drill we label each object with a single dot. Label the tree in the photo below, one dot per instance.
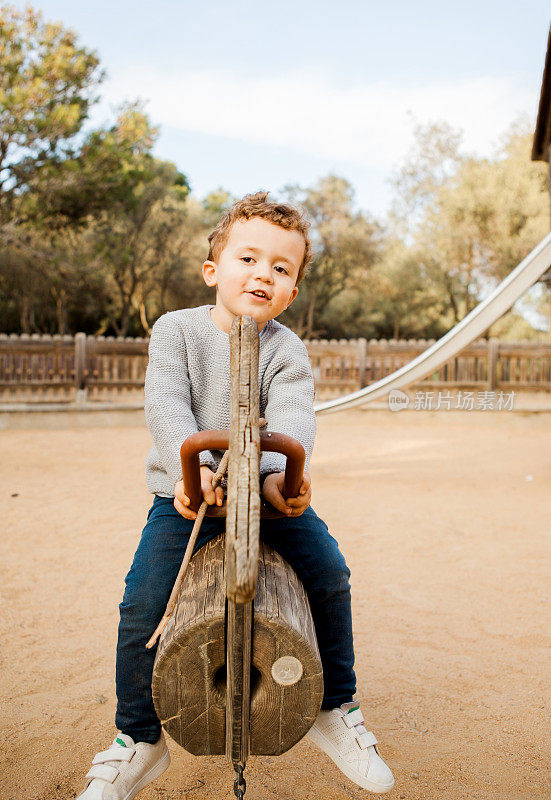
(407, 301)
(344, 241)
(485, 220)
(432, 160)
(56, 180)
(472, 220)
(393, 299)
(47, 86)
(131, 241)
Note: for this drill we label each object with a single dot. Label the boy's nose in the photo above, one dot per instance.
(264, 272)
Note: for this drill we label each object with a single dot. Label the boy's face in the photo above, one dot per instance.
(258, 256)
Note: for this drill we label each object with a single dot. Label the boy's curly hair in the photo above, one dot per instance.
(258, 205)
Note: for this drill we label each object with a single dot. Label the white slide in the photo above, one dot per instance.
(470, 328)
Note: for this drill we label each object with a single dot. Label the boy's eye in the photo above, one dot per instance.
(250, 259)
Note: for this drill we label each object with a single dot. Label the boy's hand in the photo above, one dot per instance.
(294, 506)
(181, 500)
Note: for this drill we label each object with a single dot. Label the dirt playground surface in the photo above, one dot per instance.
(444, 520)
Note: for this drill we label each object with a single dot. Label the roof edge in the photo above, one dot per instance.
(542, 133)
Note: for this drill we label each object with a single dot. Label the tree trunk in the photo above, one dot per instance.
(143, 319)
(121, 324)
(25, 314)
(453, 303)
(60, 312)
(300, 327)
(310, 317)
(468, 307)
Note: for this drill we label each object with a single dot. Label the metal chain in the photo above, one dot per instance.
(240, 784)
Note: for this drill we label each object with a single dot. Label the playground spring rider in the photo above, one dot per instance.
(237, 669)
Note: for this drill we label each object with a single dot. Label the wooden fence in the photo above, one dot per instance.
(68, 368)
(96, 368)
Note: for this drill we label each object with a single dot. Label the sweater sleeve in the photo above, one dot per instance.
(290, 405)
(168, 412)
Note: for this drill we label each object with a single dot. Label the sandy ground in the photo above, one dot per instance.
(444, 519)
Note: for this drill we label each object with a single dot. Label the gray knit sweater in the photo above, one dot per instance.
(187, 388)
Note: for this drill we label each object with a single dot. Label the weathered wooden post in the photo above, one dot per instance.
(493, 352)
(242, 532)
(362, 359)
(80, 367)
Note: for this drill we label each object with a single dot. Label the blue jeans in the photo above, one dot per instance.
(304, 542)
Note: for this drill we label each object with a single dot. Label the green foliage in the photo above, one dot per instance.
(215, 204)
(135, 244)
(513, 327)
(46, 89)
(79, 211)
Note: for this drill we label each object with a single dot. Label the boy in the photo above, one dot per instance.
(258, 255)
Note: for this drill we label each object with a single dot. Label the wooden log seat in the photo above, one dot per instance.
(189, 676)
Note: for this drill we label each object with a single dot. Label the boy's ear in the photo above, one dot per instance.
(209, 273)
(293, 295)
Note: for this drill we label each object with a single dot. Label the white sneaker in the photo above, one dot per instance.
(125, 769)
(340, 733)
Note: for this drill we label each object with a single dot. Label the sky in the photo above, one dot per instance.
(256, 95)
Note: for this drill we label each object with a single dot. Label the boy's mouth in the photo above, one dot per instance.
(260, 294)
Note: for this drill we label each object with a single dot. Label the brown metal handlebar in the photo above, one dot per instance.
(219, 440)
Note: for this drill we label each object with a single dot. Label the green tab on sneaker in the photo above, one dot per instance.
(120, 741)
(355, 708)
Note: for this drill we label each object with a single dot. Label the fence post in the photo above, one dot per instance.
(493, 350)
(80, 367)
(362, 357)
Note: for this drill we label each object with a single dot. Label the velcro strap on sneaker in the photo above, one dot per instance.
(103, 771)
(353, 718)
(114, 754)
(366, 739)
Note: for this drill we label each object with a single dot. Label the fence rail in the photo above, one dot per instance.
(68, 368)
